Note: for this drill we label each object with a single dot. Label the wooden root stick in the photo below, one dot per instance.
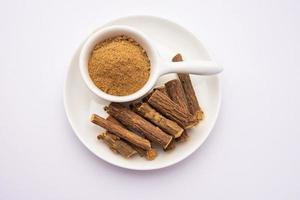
(156, 118)
(163, 104)
(191, 98)
(121, 132)
(149, 154)
(137, 123)
(184, 136)
(117, 145)
(176, 93)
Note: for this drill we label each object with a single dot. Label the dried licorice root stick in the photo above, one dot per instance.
(163, 104)
(176, 98)
(191, 98)
(176, 93)
(117, 145)
(149, 154)
(137, 123)
(168, 90)
(121, 132)
(156, 118)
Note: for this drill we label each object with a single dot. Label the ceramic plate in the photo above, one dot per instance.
(170, 39)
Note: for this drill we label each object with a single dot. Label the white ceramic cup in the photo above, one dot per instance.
(158, 66)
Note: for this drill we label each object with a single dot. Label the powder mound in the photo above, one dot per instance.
(119, 66)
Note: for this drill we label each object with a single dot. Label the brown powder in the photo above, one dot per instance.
(119, 66)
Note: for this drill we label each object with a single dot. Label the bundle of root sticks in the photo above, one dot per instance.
(163, 117)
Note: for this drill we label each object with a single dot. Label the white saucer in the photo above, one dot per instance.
(170, 39)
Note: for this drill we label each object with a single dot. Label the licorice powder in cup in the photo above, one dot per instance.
(119, 66)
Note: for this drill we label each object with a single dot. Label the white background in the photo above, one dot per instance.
(252, 153)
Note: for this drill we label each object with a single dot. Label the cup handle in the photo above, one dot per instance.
(190, 67)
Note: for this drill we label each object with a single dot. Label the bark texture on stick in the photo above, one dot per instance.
(135, 122)
(171, 110)
(117, 145)
(183, 138)
(149, 154)
(191, 98)
(162, 89)
(171, 146)
(169, 126)
(121, 132)
(176, 93)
